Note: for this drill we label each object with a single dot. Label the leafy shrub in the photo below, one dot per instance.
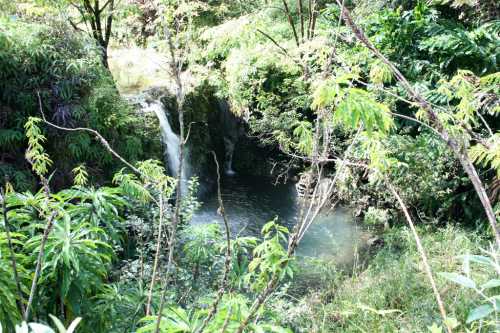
(75, 90)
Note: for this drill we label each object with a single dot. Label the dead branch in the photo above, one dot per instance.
(176, 73)
(227, 262)
(94, 132)
(292, 24)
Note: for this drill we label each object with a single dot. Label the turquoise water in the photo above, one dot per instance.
(250, 202)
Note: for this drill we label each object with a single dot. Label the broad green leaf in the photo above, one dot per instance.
(435, 328)
(493, 283)
(459, 279)
(451, 322)
(479, 313)
(58, 324)
(478, 259)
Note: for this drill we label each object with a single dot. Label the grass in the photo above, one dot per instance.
(390, 293)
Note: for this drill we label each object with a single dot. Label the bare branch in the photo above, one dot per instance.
(283, 50)
(19, 302)
(227, 262)
(290, 21)
(157, 255)
(301, 15)
(46, 232)
(422, 253)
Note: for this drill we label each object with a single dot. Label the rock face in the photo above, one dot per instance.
(210, 125)
(306, 184)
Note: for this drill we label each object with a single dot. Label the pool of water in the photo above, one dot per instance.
(250, 202)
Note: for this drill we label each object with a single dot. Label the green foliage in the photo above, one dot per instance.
(454, 46)
(98, 257)
(380, 73)
(487, 156)
(426, 44)
(74, 260)
(80, 175)
(35, 153)
(9, 312)
(487, 268)
(199, 247)
(422, 169)
(389, 292)
(233, 310)
(359, 108)
(269, 257)
(303, 133)
(173, 320)
(76, 91)
(376, 217)
(78, 251)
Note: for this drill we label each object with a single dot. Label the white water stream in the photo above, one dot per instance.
(171, 142)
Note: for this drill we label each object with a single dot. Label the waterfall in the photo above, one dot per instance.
(231, 134)
(171, 142)
(228, 160)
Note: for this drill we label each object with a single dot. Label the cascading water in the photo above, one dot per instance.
(231, 134)
(170, 140)
(228, 159)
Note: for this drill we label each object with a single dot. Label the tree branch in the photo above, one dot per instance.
(422, 253)
(227, 262)
(290, 21)
(19, 302)
(459, 151)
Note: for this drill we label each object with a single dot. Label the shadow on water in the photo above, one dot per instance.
(250, 202)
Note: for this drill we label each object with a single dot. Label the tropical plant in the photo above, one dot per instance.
(97, 207)
(487, 266)
(73, 259)
(41, 328)
(269, 257)
(200, 247)
(9, 296)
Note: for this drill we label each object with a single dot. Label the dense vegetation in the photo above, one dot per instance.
(389, 108)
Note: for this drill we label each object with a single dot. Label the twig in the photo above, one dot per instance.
(227, 263)
(94, 132)
(19, 302)
(422, 253)
(175, 71)
(285, 52)
(301, 14)
(46, 232)
(290, 21)
(157, 256)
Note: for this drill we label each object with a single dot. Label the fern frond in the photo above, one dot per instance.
(358, 107)
(489, 156)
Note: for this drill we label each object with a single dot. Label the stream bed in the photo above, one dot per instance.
(250, 202)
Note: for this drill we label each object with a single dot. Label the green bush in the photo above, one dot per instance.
(391, 292)
(76, 91)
